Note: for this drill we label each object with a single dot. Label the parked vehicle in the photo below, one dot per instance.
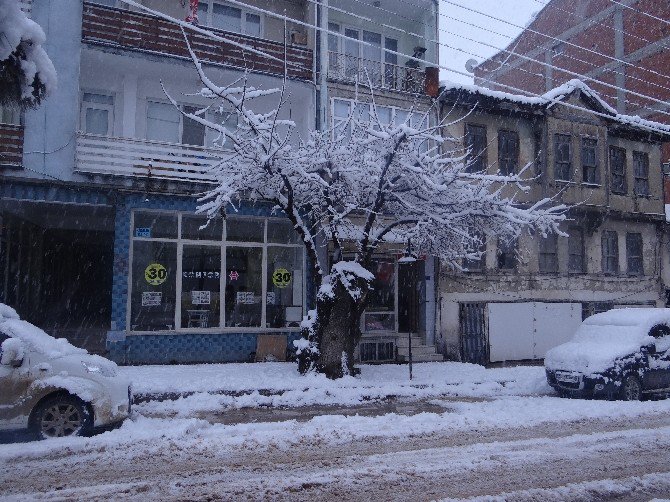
(53, 388)
(622, 353)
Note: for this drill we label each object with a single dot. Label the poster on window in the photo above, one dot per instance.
(245, 297)
(151, 298)
(201, 297)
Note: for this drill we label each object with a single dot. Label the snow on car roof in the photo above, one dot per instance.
(645, 318)
(32, 336)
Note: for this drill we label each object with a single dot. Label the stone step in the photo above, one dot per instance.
(417, 350)
(425, 358)
(402, 341)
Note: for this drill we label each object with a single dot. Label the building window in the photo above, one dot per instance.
(590, 161)
(167, 124)
(634, 253)
(618, 170)
(576, 263)
(508, 152)
(97, 114)
(229, 18)
(641, 173)
(610, 252)
(475, 144)
(477, 264)
(10, 115)
(562, 157)
(507, 254)
(548, 257)
(186, 274)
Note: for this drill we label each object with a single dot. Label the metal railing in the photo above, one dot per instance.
(377, 74)
(137, 157)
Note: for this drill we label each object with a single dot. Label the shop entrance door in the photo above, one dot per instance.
(410, 296)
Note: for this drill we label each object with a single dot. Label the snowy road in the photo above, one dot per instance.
(563, 449)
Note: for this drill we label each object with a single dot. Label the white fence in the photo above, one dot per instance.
(137, 157)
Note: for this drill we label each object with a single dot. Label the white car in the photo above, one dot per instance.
(53, 388)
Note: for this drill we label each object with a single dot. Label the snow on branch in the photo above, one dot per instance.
(363, 182)
(27, 74)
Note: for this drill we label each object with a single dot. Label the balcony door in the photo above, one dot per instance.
(97, 114)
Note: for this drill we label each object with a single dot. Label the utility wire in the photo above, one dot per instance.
(512, 53)
(622, 61)
(633, 121)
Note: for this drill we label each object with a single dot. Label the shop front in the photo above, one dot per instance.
(199, 290)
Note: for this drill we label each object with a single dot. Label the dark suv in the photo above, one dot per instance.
(622, 353)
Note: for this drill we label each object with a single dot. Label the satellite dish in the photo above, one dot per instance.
(471, 64)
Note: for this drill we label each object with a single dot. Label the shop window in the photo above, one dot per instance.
(475, 144)
(590, 161)
(97, 114)
(562, 157)
(634, 254)
(641, 173)
(618, 170)
(548, 258)
(284, 286)
(154, 286)
(576, 263)
(508, 152)
(380, 311)
(200, 286)
(610, 252)
(244, 284)
(256, 284)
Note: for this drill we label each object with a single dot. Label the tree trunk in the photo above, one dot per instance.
(334, 333)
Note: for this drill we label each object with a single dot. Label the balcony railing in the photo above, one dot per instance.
(138, 157)
(380, 75)
(142, 32)
(11, 145)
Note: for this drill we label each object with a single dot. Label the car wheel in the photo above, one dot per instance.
(631, 389)
(61, 416)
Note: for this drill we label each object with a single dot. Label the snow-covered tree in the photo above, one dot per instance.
(353, 188)
(27, 74)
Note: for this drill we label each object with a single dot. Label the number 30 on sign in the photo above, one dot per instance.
(281, 277)
(155, 274)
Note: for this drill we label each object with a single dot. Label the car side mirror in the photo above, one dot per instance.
(12, 352)
(651, 348)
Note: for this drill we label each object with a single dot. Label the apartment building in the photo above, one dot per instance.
(623, 44)
(99, 185)
(527, 296)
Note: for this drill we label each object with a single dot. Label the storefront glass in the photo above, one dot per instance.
(196, 279)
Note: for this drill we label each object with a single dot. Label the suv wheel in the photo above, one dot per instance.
(631, 389)
(61, 416)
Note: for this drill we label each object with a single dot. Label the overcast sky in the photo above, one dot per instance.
(519, 12)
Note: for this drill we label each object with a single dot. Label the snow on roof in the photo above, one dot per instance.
(557, 95)
(33, 337)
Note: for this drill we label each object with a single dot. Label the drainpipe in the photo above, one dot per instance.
(321, 39)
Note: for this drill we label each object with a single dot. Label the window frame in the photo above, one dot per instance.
(572, 231)
(632, 258)
(583, 158)
(510, 247)
(91, 105)
(622, 188)
(480, 157)
(243, 18)
(223, 244)
(548, 253)
(606, 254)
(641, 177)
(504, 136)
(563, 163)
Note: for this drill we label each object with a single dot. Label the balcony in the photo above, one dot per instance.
(136, 31)
(137, 157)
(11, 145)
(379, 75)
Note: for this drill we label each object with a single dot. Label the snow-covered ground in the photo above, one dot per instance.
(490, 432)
